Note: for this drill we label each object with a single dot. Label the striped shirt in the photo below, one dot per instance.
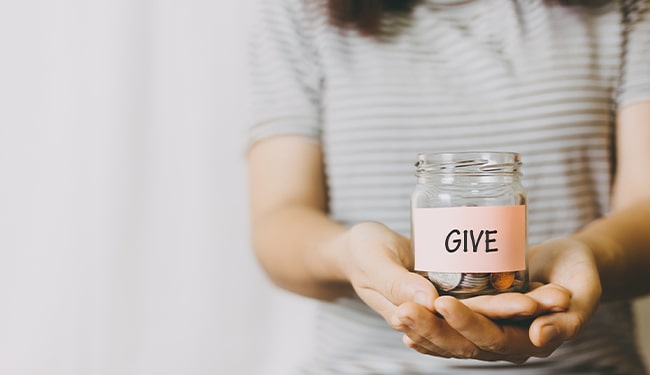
(528, 76)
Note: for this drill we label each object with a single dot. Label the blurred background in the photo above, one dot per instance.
(124, 242)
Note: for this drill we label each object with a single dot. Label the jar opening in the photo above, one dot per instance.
(468, 163)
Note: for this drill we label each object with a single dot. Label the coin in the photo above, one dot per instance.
(502, 280)
(444, 280)
(474, 282)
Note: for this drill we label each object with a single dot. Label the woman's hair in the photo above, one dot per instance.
(366, 15)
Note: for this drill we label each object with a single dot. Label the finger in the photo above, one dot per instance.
(542, 299)
(503, 306)
(395, 287)
(564, 326)
(386, 275)
(556, 327)
(380, 260)
(377, 302)
(550, 298)
(428, 332)
(427, 348)
(403, 286)
(444, 341)
(487, 335)
(385, 302)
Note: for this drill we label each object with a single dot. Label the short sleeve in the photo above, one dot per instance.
(285, 76)
(635, 84)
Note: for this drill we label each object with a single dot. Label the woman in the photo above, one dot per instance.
(348, 92)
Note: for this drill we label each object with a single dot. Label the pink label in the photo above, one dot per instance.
(470, 239)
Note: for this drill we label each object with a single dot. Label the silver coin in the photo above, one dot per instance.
(474, 281)
(446, 281)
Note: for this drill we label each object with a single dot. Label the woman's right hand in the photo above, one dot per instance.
(376, 261)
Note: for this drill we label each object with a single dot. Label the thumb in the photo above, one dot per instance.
(556, 327)
(401, 286)
(379, 269)
(393, 286)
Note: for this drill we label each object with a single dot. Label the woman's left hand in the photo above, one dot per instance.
(571, 264)
(495, 327)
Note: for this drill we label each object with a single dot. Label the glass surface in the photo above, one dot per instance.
(470, 179)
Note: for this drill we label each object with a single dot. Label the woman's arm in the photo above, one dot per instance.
(621, 240)
(293, 238)
(305, 251)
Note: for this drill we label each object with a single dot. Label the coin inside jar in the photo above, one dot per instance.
(474, 282)
(444, 280)
(502, 280)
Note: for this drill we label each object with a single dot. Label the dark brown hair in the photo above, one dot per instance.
(366, 15)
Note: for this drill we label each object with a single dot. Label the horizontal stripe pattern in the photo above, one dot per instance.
(501, 75)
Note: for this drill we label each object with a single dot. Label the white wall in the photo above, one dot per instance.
(123, 221)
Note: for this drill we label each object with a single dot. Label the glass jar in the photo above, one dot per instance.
(468, 223)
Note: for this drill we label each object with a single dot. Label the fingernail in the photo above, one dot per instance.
(421, 298)
(549, 333)
(442, 305)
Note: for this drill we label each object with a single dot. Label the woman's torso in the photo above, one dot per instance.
(524, 76)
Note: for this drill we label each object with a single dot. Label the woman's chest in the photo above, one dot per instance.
(445, 73)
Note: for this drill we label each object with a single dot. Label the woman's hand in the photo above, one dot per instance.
(488, 328)
(495, 327)
(571, 264)
(376, 261)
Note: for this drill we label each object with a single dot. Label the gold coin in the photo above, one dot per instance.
(502, 280)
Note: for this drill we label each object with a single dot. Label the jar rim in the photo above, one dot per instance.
(468, 163)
